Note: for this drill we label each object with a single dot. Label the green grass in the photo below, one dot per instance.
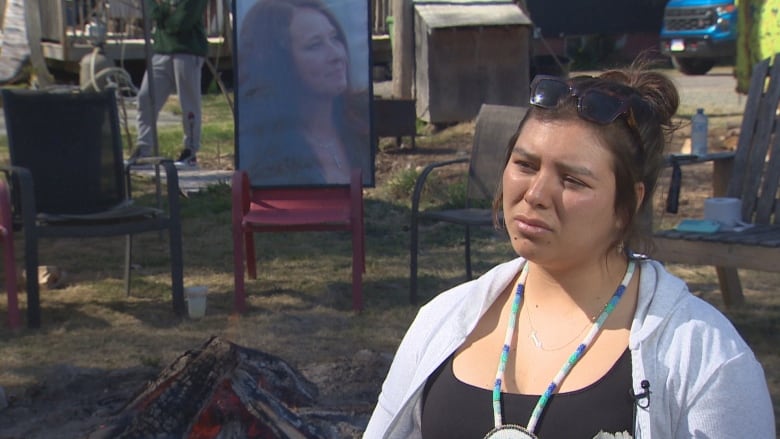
(216, 136)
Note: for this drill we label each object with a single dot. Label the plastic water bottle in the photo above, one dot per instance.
(699, 133)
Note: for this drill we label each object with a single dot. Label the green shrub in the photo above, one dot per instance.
(401, 185)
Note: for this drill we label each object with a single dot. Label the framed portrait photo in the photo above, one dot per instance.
(303, 91)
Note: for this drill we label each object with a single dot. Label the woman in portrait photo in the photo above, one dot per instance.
(301, 123)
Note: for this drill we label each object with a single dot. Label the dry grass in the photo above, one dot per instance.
(299, 308)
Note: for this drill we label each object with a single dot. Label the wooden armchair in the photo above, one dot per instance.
(750, 174)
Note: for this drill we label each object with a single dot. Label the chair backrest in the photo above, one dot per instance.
(394, 117)
(495, 126)
(755, 175)
(71, 144)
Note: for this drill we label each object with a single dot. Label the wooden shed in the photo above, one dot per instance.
(469, 52)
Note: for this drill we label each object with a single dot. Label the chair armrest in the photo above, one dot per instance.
(11, 169)
(172, 183)
(690, 159)
(420, 182)
(171, 179)
(22, 194)
(239, 189)
(144, 162)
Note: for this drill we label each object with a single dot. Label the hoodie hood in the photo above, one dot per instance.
(652, 310)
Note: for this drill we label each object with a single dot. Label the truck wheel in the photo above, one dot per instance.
(693, 66)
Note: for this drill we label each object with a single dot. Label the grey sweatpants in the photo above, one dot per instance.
(171, 72)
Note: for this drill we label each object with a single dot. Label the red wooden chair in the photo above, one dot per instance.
(9, 261)
(295, 209)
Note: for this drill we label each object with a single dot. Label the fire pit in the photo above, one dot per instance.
(222, 390)
(218, 389)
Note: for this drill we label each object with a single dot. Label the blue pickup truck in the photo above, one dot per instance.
(697, 34)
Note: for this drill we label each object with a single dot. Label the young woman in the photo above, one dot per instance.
(578, 337)
(300, 122)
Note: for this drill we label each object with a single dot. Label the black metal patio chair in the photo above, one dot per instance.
(68, 179)
(495, 126)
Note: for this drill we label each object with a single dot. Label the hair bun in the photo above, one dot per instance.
(655, 88)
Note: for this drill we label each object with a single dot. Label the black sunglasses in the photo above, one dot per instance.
(598, 101)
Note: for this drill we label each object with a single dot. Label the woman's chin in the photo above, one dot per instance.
(333, 88)
(529, 249)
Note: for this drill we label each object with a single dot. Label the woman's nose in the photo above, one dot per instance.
(336, 49)
(538, 192)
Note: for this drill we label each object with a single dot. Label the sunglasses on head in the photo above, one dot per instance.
(598, 101)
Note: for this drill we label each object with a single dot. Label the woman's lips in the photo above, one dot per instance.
(531, 226)
(338, 70)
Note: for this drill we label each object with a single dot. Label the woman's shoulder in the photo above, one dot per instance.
(702, 318)
(688, 323)
(477, 293)
(452, 314)
(669, 312)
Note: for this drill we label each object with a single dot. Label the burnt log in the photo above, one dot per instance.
(220, 390)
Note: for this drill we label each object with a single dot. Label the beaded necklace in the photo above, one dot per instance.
(512, 431)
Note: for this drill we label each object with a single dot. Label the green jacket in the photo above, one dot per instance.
(178, 26)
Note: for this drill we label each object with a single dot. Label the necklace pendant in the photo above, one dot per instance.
(510, 431)
(535, 339)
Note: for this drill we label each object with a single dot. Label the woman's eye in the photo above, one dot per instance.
(524, 164)
(571, 181)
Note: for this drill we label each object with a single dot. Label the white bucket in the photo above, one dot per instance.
(196, 301)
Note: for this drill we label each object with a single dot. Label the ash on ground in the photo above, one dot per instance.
(72, 402)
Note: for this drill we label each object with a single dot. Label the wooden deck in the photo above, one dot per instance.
(127, 49)
(132, 49)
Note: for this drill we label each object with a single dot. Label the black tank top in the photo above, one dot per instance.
(453, 409)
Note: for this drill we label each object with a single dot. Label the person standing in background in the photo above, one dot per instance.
(180, 47)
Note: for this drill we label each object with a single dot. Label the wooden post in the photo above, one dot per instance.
(721, 174)
(152, 104)
(728, 277)
(227, 25)
(403, 48)
(150, 77)
(32, 14)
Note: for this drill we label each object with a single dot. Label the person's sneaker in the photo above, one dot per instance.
(187, 158)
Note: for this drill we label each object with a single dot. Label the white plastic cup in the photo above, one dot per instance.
(196, 301)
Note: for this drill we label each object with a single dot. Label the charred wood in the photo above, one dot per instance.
(220, 390)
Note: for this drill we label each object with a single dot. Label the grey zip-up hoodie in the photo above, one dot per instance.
(704, 380)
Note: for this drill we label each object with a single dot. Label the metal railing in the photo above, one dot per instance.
(120, 19)
(65, 20)
(380, 10)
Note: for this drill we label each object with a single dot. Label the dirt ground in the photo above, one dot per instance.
(72, 402)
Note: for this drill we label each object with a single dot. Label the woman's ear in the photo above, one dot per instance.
(639, 192)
